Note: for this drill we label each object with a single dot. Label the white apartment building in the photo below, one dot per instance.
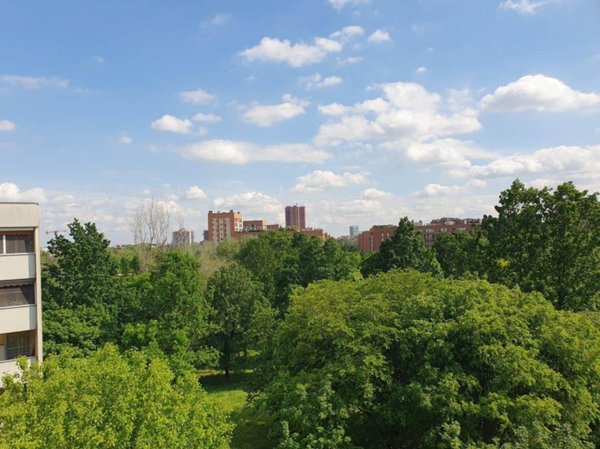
(20, 285)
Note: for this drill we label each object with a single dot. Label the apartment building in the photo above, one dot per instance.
(224, 225)
(20, 285)
(254, 225)
(295, 217)
(182, 237)
(370, 241)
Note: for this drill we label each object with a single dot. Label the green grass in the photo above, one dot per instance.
(250, 427)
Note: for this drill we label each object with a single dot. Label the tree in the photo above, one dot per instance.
(547, 241)
(406, 360)
(169, 311)
(81, 291)
(108, 401)
(151, 223)
(405, 249)
(460, 253)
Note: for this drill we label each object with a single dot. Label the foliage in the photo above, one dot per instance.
(108, 401)
(81, 292)
(168, 311)
(547, 241)
(233, 295)
(460, 253)
(404, 360)
(405, 249)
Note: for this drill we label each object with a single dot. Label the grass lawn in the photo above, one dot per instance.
(250, 428)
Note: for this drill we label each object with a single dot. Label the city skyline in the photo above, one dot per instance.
(363, 110)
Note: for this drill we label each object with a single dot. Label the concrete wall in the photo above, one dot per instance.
(19, 215)
(17, 266)
(18, 319)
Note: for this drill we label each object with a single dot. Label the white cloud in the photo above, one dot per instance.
(267, 115)
(539, 92)
(198, 96)
(421, 70)
(296, 55)
(218, 20)
(34, 82)
(449, 153)
(7, 125)
(252, 203)
(380, 36)
(524, 6)
(239, 153)
(195, 193)
(206, 118)
(571, 162)
(319, 180)
(373, 193)
(347, 33)
(172, 124)
(405, 111)
(339, 4)
(317, 81)
(13, 193)
(350, 60)
(125, 140)
(436, 190)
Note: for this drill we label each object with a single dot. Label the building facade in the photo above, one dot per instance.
(20, 285)
(370, 241)
(295, 217)
(224, 225)
(254, 225)
(354, 231)
(182, 237)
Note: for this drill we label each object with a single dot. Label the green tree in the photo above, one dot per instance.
(108, 401)
(233, 295)
(406, 360)
(460, 253)
(547, 241)
(81, 291)
(405, 249)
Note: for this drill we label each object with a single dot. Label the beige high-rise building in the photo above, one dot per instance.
(20, 285)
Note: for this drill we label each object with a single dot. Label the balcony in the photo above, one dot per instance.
(18, 318)
(17, 266)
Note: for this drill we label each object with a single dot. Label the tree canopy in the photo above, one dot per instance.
(108, 401)
(404, 360)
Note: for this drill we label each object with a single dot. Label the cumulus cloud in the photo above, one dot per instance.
(373, 193)
(524, 6)
(350, 60)
(421, 70)
(172, 124)
(317, 81)
(379, 36)
(436, 190)
(347, 33)
(339, 4)
(319, 180)
(252, 203)
(13, 193)
(564, 161)
(405, 111)
(206, 118)
(240, 153)
(195, 193)
(7, 125)
(538, 92)
(34, 82)
(296, 55)
(125, 140)
(198, 96)
(218, 20)
(267, 115)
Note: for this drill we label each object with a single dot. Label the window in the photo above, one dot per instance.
(18, 242)
(18, 344)
(17, 295)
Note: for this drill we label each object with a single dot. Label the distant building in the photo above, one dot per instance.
(205, 236)
(353, 231)
(315, 232)
(224, 225)
(254, 225)
(295, 217)
(182, 237)
(370, 241)
(20, 286)
(273, 227)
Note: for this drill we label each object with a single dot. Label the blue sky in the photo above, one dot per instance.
(362, 110)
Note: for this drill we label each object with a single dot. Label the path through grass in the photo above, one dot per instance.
(250, 428)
